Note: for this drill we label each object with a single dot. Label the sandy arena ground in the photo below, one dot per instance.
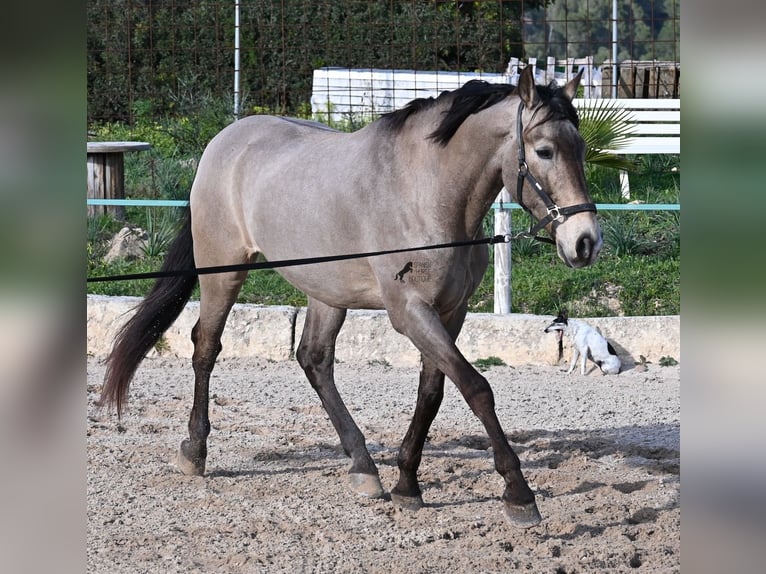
(601, 452)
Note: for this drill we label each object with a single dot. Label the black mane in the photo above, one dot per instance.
(475, 96)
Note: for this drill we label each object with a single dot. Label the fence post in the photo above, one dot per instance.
(550, 70)
(569, 69)
(236, 60)
(503, 255)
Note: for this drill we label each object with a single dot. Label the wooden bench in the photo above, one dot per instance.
(106, 174)
(656, 128)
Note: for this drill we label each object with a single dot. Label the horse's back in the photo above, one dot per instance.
(248, 151)
(272, 133)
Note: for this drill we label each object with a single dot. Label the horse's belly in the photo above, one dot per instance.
(338, 284)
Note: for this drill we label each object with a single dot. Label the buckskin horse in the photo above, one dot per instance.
(427, 173)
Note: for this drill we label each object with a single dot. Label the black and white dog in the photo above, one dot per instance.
(587, 343)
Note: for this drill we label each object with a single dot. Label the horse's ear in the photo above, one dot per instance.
(570, 90)
(564, 314)
(527, 89)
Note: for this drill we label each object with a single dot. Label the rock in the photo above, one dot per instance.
(127, 244)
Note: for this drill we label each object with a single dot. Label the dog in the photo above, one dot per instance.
(587, 343)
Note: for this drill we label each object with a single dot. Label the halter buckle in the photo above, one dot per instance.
(523, 168)
(554, 212)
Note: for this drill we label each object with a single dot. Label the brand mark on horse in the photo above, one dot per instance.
(406, 269)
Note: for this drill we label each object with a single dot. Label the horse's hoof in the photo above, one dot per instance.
(523, 516)
(407, 502)
(189, 466)
(366, 484)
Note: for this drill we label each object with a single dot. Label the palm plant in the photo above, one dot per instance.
(605, 126)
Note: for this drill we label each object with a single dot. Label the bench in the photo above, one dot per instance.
(106, 174)
(656, 128)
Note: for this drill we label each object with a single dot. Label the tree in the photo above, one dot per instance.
(647, 30)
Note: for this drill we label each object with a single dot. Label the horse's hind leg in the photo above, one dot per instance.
(316, 355)
(217, 295)
(406, 493)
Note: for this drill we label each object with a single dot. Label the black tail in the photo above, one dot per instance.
(153, 316)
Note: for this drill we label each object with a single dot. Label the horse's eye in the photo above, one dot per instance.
(544, 153)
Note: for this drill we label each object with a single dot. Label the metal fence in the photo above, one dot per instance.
(154, 57)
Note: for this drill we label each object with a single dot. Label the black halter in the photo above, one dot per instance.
(555, 213)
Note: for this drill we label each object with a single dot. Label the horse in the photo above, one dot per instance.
(284, 188)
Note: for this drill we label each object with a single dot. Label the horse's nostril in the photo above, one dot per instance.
(584, 248)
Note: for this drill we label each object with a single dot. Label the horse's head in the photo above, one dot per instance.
(547, 174)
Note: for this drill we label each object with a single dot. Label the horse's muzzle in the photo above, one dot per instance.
(586, 250)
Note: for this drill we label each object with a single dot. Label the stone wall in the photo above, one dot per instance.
(272, 332)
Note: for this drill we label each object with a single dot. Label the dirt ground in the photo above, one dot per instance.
(601, 453)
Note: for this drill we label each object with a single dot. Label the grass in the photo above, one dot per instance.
(638, 272)
(484, 364)
(162, 346)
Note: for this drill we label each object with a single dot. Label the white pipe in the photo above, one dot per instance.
(503, 257)
(614, 49)
(236, 59)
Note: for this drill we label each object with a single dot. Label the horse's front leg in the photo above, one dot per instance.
(406, 493)
(420, 322)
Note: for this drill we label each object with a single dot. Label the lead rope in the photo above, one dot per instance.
(294, 262)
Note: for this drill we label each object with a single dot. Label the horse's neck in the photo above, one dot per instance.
(470, 173)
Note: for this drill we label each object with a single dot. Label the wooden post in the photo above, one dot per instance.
(106, 180)
(106, 174)
(606, 80)
(503, 256)
(626, 80)
(667, 80)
